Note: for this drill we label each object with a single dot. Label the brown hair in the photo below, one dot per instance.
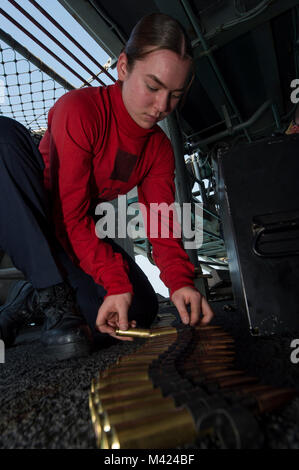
(159, 31)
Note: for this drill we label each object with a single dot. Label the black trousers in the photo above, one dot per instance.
(27, 233)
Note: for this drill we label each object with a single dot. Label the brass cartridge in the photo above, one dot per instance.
(132, 398)
(145, 333)
(211, 360)
(164, 431)
(94, 411)
(215, 377)
(141, 376)
(222, 374)
(251, 389)
(164, 331)
(141, 365)
(216, 350)
(134, 332)
(236, 381)
(123, 369)
(124, 390)
(216, 342)
(144, 359)
(205, 368)
(270, 400)
(212, 335)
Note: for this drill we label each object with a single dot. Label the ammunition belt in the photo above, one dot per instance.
(177, 388)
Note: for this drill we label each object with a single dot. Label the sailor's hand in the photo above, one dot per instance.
(201, 311)
(113, 314)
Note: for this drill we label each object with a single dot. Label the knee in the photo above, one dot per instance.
(144, 309)
(16, 143)
(150, 303)
(12, 132)
(8, 127)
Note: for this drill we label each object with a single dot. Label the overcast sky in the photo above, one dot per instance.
(55, 9)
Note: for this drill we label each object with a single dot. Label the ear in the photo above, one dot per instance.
(122, 66)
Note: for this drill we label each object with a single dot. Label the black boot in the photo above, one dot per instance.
(19, 310)
(65, 333)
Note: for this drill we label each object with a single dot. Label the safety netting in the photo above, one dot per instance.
(27, 93)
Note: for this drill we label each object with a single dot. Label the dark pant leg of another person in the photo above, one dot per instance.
(26, 235)
(25, 232)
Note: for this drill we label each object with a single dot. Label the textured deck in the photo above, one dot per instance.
(44, 404)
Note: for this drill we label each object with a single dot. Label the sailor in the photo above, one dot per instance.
(100, 142)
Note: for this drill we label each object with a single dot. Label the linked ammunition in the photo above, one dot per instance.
(104, 416)
(194, 368)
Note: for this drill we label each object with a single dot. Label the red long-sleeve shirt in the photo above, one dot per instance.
(94, 151)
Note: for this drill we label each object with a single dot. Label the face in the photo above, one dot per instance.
(153, 88)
